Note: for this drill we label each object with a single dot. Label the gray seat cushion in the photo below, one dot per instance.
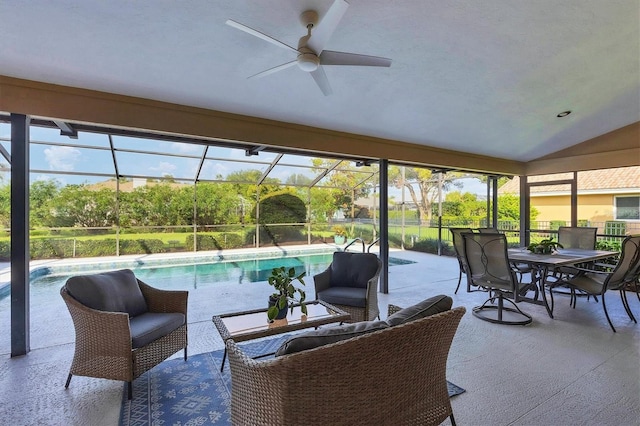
(146, 328)
(352, 269)
(350, 296)
(326, 336)
(115, 291)
(428, 307)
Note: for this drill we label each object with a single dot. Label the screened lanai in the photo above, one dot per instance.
(99, 178)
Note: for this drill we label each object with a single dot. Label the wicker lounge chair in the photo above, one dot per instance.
(393, 376)
(123, 326)
(351, 284)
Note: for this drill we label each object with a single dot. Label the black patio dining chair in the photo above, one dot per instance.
(570, 237)
(520, 268)
(580, 237)
(596, 283)
(489, 268)
(458, 246)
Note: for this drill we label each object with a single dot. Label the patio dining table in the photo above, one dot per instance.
(541, 264)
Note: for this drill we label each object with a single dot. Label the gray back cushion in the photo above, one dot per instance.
(116, 291)
(325, 336)
(428, 307)
(353, 269)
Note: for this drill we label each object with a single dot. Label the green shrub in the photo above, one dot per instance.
(278, 234)
(44, 248)
(608, 245)
(96, 248)
(221, 241)
(5, 250)
(430, 245)
(555, 224)
(148, 246)
(282, 208)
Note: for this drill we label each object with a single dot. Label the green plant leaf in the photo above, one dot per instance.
(272, 312)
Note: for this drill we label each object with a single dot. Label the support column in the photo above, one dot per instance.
(384, 225)
(20, 344)
(494, 201)
(525, 212)
(574, 200)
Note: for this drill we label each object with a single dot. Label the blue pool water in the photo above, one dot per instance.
(200, 275)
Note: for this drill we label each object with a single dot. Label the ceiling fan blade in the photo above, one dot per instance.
(273, 70)
(258, 34)
(321, 80)
(321, 34)
(330, 57)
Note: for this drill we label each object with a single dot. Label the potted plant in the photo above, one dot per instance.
(339, 234)
(282, 281)
(546, 246)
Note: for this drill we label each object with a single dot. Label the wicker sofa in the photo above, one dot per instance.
(123, 326)
(382, 375)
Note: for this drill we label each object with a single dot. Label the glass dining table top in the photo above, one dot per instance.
(560, 257)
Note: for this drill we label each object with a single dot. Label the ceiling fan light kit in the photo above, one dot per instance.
(310, 54)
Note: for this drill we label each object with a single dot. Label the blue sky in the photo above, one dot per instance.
(90, 154)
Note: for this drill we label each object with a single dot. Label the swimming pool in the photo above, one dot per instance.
(192, 273)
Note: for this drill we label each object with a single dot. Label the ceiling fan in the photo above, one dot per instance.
(310, 54)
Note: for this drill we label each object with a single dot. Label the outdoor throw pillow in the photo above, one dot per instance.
(115, 291)
(325, 336)
(428, 307)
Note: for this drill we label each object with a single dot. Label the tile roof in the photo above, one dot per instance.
(592, 180)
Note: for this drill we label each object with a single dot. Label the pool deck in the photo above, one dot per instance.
(564, 371)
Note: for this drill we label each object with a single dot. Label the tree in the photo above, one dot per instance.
(463, 205)
(245, 184)
(509, 208)
(5, 205)
(41, 193)
(162, 204)
(217, 203)
(427, 186)
(345, 186)
(77, 205)
(501, 179)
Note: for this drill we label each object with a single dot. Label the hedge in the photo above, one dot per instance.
(224, 240)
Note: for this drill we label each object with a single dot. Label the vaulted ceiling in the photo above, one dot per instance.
(480, 77)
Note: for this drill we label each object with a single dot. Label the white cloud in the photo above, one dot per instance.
(163, 168)
(62, 158)
(186, 148)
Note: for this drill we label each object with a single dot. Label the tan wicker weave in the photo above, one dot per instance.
(394, 377)
(103, 339)
(370, 310)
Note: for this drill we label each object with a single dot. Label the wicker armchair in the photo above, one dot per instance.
(395, 376)
(351, 284)
(117, 336)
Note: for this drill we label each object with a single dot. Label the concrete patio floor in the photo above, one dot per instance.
(571, 370)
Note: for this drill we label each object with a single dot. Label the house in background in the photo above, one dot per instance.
(607, 198)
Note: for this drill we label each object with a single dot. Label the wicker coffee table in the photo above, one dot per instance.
(249, 325)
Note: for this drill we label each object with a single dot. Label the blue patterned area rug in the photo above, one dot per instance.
(194, 392)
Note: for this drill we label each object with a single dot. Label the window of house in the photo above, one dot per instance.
(627, 208)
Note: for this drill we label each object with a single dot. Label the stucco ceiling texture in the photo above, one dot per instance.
(486, 77)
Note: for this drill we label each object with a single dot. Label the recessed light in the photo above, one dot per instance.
(563, 114)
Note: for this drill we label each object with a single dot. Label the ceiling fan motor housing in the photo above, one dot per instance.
(307, 59)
